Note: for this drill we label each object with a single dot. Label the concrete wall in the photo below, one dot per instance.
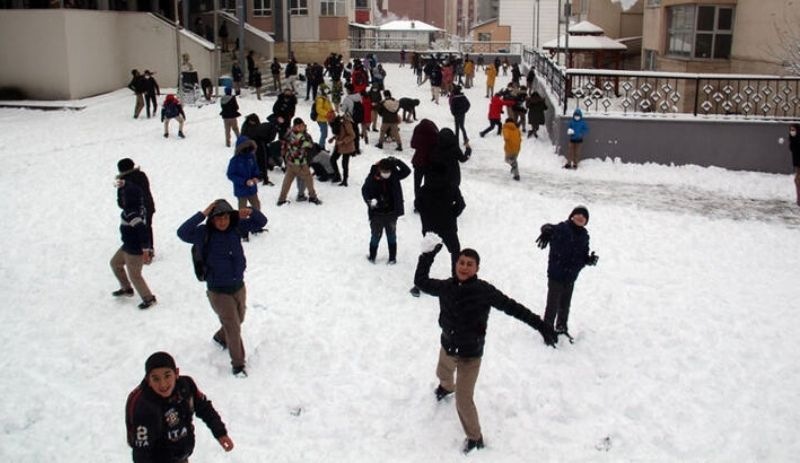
(72, 54)
(736, 145)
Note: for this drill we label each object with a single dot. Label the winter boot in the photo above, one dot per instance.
(470, 445)
(123, 292)
(392, 254)
(373, 250)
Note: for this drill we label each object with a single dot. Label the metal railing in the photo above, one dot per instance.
(644, 92)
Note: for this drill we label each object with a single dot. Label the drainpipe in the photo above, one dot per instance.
(178, 51)
(240, 5)
(217, 54)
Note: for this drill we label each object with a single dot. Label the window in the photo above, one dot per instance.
(298, 7)
(653, 3)
(228, 6)
(484, 37)
(703, 31)
(331, 8)
(262, 7)
(362, 4)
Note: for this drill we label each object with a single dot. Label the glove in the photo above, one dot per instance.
(544, 238)
(373, 203)
(592, 258)
(548, 334)
(431, 242)
(570, 132)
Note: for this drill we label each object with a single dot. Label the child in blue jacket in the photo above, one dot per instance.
(576, 130)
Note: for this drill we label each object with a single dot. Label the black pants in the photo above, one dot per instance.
(450, 240)
(150, 98)
(345, 164)
(460, 126)
(559, 297)
(492, 123)
(311, 89)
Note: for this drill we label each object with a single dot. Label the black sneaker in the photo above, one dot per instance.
(470, 445)
(220, 342)
(441, 393)
(281, 202)
(414, 291)
(180, 134)
(301, 197)
(123, 292)
(516, 177)
(399, 148)
(239, 372)
(391, 262)
(315, 200)
(371, 259)
(166, 135)
(379, 145)
(147, 303)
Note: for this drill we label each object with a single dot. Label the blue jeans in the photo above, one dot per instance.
(323, 133)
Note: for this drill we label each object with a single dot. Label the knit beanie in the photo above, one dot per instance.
(582, 211)
(159, 360)
(124, 165)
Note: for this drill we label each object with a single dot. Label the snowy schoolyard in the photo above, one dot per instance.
(686, 329)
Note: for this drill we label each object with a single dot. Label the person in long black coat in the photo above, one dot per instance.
(439, 204)
(449, 154)
(536, 108)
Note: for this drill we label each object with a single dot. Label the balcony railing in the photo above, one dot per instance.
(613, 92)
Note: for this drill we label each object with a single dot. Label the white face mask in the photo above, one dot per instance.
(577, 118)
(386, 175)
(793, 132)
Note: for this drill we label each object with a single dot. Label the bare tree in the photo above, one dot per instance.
(787, 51)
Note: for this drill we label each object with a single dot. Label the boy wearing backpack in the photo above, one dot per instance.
(159, 412)
(220, 244)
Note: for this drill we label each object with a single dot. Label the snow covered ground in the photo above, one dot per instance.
(686, 330)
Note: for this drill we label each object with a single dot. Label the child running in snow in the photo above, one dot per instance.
(513, 142)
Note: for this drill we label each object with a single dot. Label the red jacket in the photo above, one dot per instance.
(366, 102)
(496, 107)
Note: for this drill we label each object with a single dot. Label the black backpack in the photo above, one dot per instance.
(358, 112)
(199, 255)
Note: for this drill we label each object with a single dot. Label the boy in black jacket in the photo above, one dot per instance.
(464, 303)
(569, 253)
(158, 414)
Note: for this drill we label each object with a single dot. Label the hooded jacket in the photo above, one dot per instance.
(439, 203)
(225, 261)
(243, 167)
(171, 108)
(423, 141)
(230, 107)
(160, 429)
(447, 153)
(496, 106)
(579, 126)
(464, 309)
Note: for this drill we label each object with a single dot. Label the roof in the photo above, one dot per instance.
(409, 26)
(586, 42)
(585, 27)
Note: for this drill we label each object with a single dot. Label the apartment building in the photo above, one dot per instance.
(720, 36)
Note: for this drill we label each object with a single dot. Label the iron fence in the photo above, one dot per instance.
(644, 92)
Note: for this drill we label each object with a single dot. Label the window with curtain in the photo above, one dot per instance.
(362, 4)
(262, 7)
